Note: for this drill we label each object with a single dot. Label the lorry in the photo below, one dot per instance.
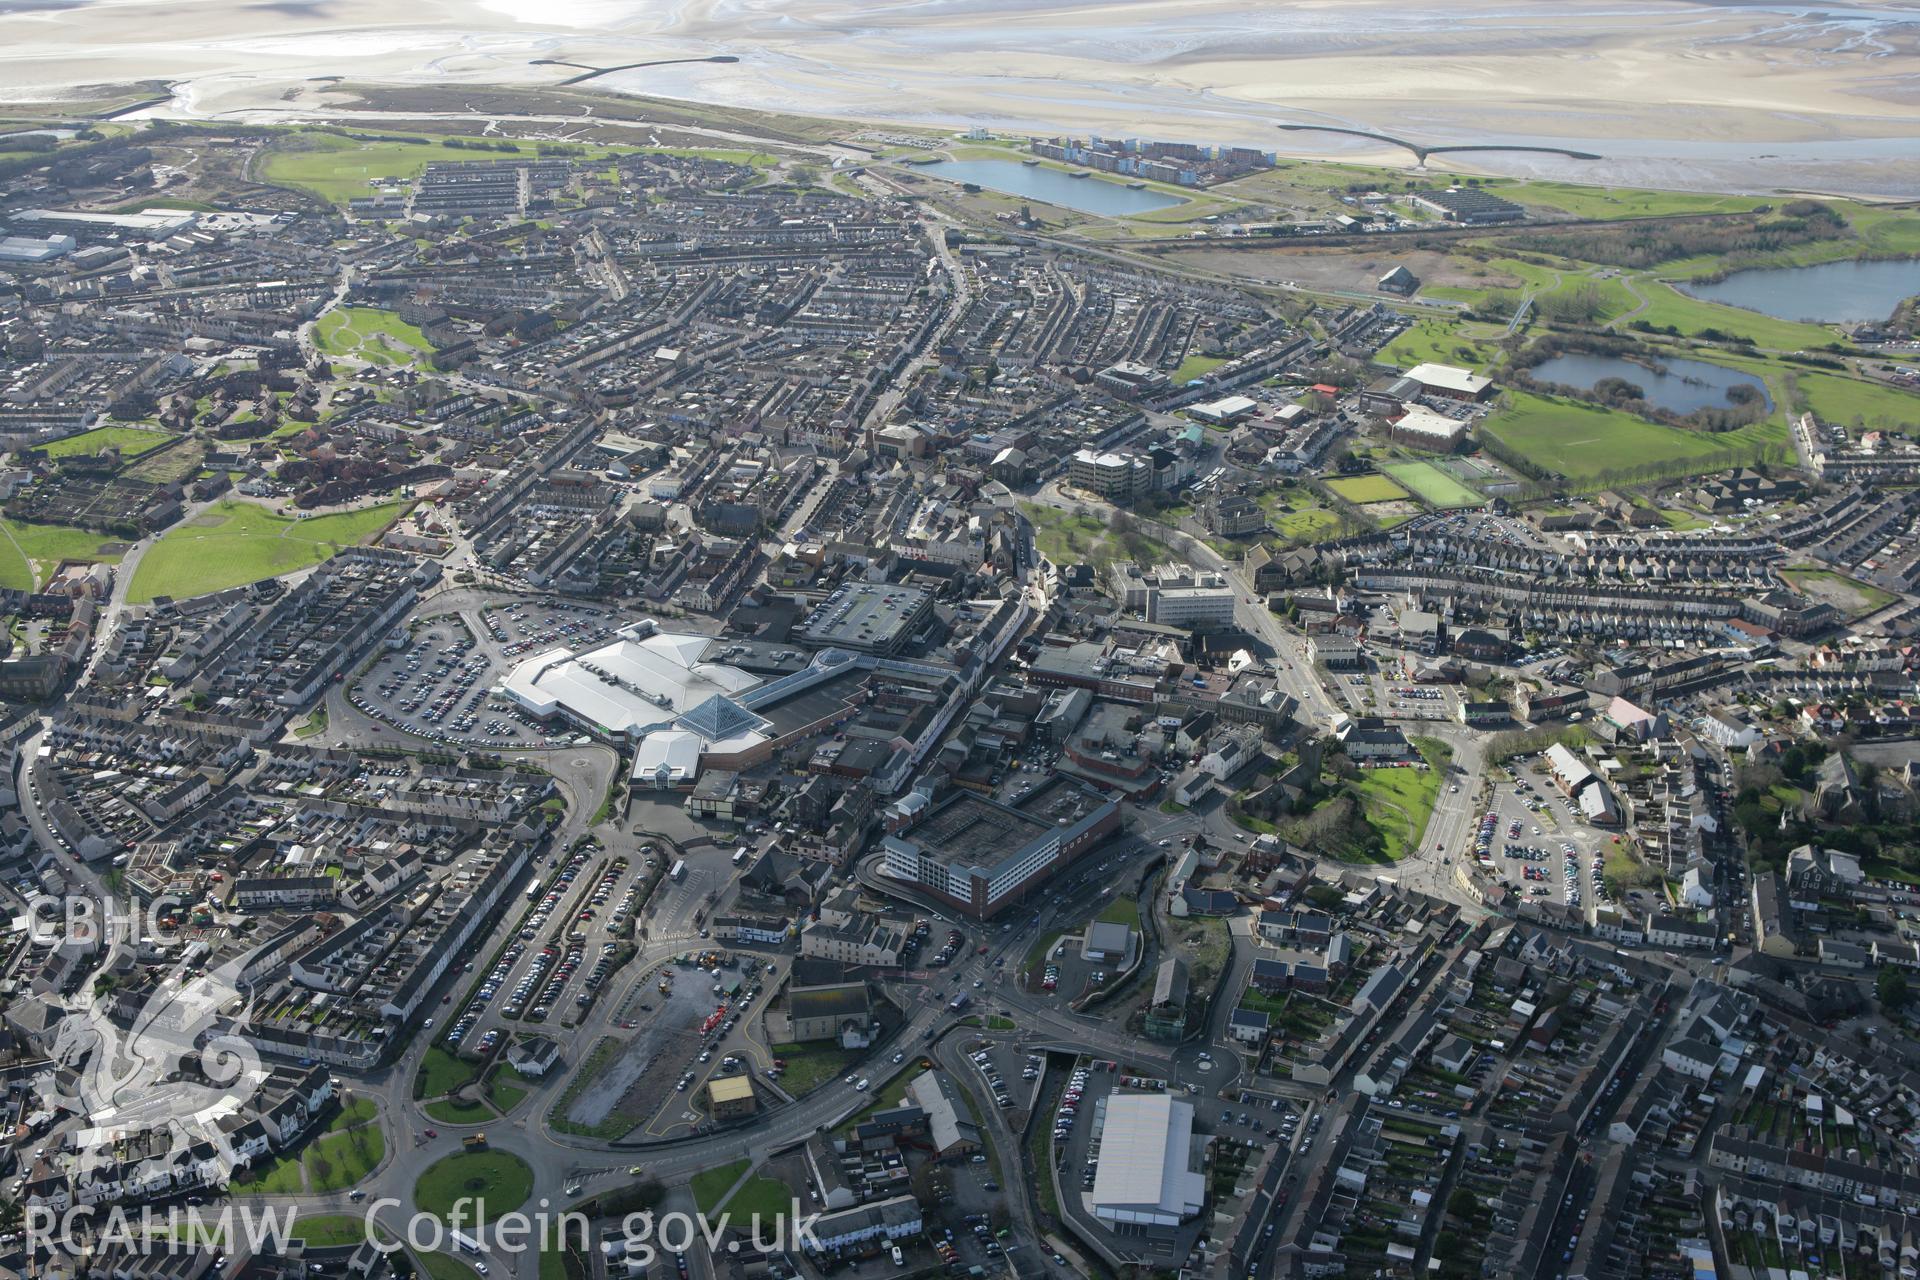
(474, 1142)
(679, 871)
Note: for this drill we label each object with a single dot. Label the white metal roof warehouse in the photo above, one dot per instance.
(642, 679)
(1148, 1174)
(1224, 409)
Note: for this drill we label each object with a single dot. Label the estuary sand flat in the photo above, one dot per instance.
(1754, 93)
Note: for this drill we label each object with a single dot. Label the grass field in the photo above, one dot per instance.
(29, 553)
(1196, 367)
(1433, 485)
(1580, 441)
(1619, 202)
(235, 543)
(444, 1266)
(350, 1148)
(16, 574)
(498, 1181)
(723, 155)
(710, 1184)
(761, 1197)
(505, 1088)
(277, 1177)
(1515, 277)
(131, 441)
(1360, 490)
(1398, 802)
(1298, 515)
(357, 1112)
(1544, 282)
(1068, 539)
(327, 1230)
(1460, 342)
(370, 334)
(1306, 524)
(1846, 401)
(1682, 521)
(441, 1073)
(454, 1111)
(811, 1065)
(337, 169)
(1666, 305)
(341, 1160)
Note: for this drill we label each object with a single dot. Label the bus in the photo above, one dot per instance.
(739, 855)
(465, 1242)
(679, 871)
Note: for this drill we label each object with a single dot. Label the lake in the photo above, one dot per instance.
(1831, 293)
(1037, 182)
(1684, 386)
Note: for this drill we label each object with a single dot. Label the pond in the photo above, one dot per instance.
(1831, 293)
(1037, 182)
(1683, 387)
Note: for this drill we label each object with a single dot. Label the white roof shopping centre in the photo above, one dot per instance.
(1148, 1174)
(1449, 379)
(644, 678)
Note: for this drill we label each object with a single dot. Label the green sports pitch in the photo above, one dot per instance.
(1433, 485)
(1361, 490)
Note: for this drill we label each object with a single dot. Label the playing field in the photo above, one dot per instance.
(1433, 485)
(235, 543)
(1360, 490)
(338, 169)
(370, 334)
(1580, 441)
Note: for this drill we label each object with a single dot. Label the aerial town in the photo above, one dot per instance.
(1136, 708)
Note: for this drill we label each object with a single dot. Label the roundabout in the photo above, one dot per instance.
(497, 1182)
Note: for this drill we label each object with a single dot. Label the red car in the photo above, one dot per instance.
(432, 1133)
